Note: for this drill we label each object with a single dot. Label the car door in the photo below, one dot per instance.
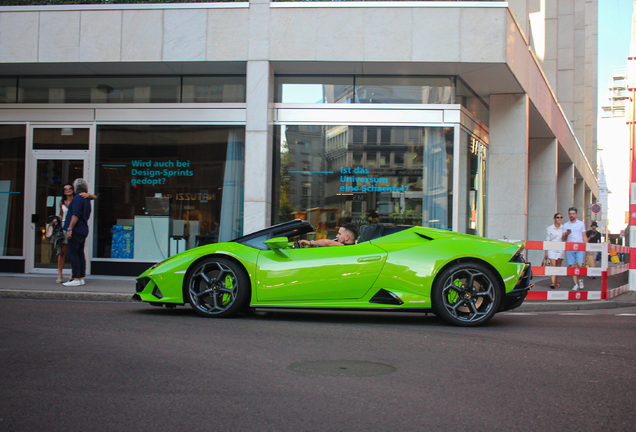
(321, 273)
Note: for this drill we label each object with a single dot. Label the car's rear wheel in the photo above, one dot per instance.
(217, 287)
(466, 294)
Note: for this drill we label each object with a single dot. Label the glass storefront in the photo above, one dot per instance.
(364, 89)
(12, 165)
(164, 189)
(331, 175)
(123, 90)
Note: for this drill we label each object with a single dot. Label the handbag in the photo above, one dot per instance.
(49, 230)
(546, 262)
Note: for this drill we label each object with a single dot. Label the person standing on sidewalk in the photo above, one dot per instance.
(76, 227)
(68, 195)
(554, 233)
(574, 232)
(593, 236)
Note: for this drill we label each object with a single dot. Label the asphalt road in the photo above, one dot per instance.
(100, 366)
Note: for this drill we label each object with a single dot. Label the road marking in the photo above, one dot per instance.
(625, 314)
(577, 313)
(520, 313)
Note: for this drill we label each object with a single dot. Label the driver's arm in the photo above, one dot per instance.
(320, 243)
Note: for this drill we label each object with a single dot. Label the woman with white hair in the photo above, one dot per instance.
(76, 227)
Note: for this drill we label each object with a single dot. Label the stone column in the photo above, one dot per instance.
(258, 148)
(257, 207)
(508, 167)
(542, 190)
(589, 199)
(565, 188)
(579, 198)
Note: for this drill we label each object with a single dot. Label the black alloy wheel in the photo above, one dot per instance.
(217, 287)
(466, 294)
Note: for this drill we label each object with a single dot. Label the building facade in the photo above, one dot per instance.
(614, 160)
(196, 123)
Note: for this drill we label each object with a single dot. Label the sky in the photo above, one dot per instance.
(614, 30)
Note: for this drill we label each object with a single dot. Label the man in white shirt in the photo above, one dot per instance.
(574, 232)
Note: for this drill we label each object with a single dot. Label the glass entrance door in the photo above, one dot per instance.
(51, 176)
(58, 156)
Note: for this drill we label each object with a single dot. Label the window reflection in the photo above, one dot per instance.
(309, 89)
(99, 90)
(8, 90)
(418, 90)
(178, 187)
(314, 89)
(131, 89)
(214, 89)
(350, 180)
(12, 150)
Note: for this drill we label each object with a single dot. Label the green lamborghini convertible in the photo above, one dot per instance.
(461, 278)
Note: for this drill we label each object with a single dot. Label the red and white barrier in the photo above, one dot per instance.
(604, 271)
(564, 295)
(611, 271)
(617, 291)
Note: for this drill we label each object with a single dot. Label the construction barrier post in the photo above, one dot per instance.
(604, 265)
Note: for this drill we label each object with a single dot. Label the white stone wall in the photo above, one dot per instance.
(124, 35)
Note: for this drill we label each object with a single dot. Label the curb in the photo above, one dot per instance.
(570, 305)
(66, 295)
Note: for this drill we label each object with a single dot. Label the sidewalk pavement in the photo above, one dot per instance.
(121, 289)
(39, 286)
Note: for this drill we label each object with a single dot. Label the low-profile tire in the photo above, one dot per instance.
(217, 287)
(466, 294)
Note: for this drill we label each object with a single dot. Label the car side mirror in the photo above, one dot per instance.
(277, 243)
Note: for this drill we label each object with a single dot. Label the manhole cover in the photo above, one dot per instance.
(342, 368)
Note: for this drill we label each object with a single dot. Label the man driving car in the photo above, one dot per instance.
(347, 235)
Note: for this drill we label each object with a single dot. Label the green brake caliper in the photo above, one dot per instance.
(229, 284)
(452, 294)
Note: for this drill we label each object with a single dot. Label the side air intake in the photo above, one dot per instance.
(385, 297)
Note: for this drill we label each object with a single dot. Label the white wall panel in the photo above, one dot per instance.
(52, 115)
(359, 116)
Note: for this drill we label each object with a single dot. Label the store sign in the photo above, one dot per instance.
(477, 148)
(369, 184)
(150, 173)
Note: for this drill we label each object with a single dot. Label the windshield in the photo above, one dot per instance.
(291, 230)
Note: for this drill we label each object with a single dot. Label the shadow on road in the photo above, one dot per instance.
(322, 316)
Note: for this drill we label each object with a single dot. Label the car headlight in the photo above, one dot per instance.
(160, 263)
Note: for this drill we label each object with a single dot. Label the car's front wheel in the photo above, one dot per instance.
(466, 294)
(217, 287)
